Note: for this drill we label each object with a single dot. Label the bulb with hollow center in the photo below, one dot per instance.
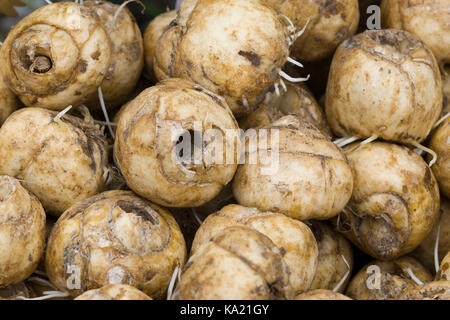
(177, 144)
(395, 200)
(57, 56)
(114, 238)
(22, 232)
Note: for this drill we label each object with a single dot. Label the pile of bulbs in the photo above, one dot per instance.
(98, 201)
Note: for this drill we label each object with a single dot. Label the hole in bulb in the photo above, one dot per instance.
(41, 64)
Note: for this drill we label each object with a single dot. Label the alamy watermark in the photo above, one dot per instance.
(194, 146)
(374, 19)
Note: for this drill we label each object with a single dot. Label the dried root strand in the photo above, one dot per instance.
(344, 278)
(369, 140)
(105, 112)
(123, 5)
(342, 142)
(47, 295)
(294, 62)
(208, 92)
(426, 61)
(441, 120)
(58, 117)
(420, 152)
(283, 85)
(291, 26)
(436, 248)
(349, 224)
(292, 79)
(175, 276)
(302, 31)
(427, 150)
(197, 218)
(366, 141)
(277, 89)
(413, 277)
(293, 30)
(245, 103)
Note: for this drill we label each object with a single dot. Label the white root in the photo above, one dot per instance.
(369, 140)
(339, 140)
(209, 92)
(105, 112)
(277, 89)
(345, 141)
(47, 295)
(436, 248)
(344, 278)
(197, 218)
(175, 276)
(267, 97)
(116, 14)
(301, 32)
(427, 150)
(419, 152)
(427, 62)
(62, 113)
(413, 277)
(245, 103)
(441, 120)
(294, 62)
(366, 141)
(48, 2)
(293, 30)
(291, 79)
(338, 221)
(291, 26)
(283, 85)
